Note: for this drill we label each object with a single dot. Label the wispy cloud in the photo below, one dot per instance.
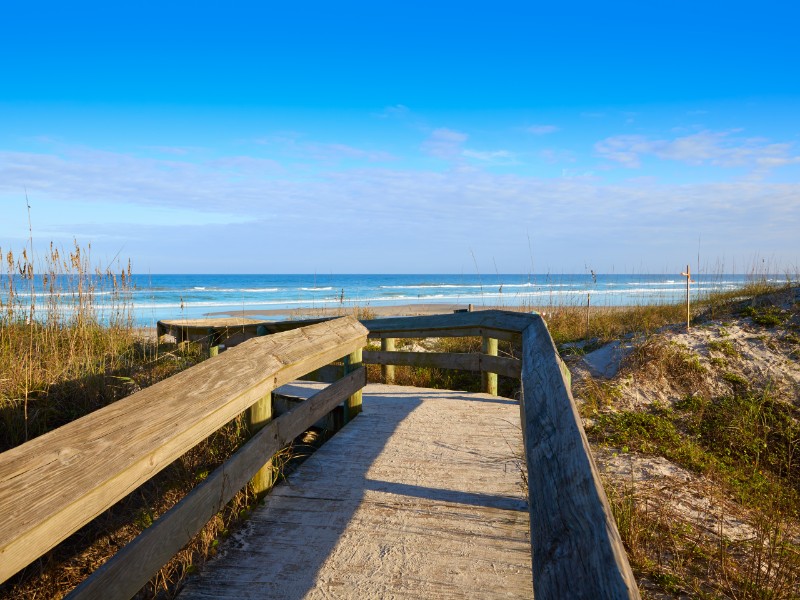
(335, 152)
(556, 155)
(444, 143)
(244, 195)
(719, 149)
(542, 129)
(492, 157)
(173, 150)
(295, 145)
(396, 111)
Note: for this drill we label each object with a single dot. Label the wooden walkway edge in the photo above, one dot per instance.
(421, 496)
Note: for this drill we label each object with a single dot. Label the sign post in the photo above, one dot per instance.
(688, 276)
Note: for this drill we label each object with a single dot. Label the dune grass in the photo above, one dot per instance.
(742, 445)
(68, 345)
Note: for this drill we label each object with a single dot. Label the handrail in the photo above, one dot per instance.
(58, 482)
(576, 548)
(499, 324)
(575, 545)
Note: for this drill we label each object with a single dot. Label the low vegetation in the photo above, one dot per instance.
(703, 473)
(733, 431)
(67, 347)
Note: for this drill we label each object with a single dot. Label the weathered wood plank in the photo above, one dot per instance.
(457, 332)
(98, 459)
(420, 497)
(130, 569)
(228, 330)
(499, 324)
(577, 551)
(508, 367)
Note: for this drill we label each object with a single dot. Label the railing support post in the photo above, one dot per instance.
(259, 415)
(387, 345)
(353, 404)
(489, 379)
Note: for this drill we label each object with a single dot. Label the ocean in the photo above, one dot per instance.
(150, 298)
(155, 297)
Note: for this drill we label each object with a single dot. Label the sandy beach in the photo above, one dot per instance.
(399, 310)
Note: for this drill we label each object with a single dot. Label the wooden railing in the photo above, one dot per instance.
(58, 482)
(96, 460)
(576, 548)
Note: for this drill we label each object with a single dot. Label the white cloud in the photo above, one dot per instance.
(495, 157)
(719, 149)
(542, 129)
(556, 155)
(396, 111)
(444, 143)
(293, 144)
(570, 218)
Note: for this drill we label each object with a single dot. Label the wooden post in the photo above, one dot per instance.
(258, 415)
(387, 345)
(353, 404)
(488, 379)
(688, 276)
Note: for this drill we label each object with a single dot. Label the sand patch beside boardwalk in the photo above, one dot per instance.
(676, 494)
(720, 355)
(712, 518)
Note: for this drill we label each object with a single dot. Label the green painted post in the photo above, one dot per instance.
(353, 404)
(258, 415)
(489, 379)
(387, 345)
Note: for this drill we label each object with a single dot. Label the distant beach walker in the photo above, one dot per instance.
(156, 297)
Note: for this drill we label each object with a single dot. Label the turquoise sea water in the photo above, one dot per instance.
(187, 296)
(155, 297)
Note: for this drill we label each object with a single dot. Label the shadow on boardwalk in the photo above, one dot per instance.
(420, 496)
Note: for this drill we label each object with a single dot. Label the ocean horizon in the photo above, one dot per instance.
(151, 298)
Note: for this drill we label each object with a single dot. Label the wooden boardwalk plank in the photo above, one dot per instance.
(421, 496)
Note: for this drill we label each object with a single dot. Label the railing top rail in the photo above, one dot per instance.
(577, 551)
(496, 320)
(56, 483)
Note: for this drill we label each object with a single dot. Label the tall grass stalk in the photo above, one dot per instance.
(66, 332)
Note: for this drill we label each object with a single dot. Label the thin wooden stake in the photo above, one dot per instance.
(688, 276)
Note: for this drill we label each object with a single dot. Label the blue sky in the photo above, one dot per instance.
(421, 137)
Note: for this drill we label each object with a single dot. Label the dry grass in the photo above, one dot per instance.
(57, 365)
(67, 347)
(741, 446)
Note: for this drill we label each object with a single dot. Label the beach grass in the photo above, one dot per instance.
(62, 356)
(737, 434)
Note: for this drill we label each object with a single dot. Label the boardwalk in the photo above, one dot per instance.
(421, 496)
